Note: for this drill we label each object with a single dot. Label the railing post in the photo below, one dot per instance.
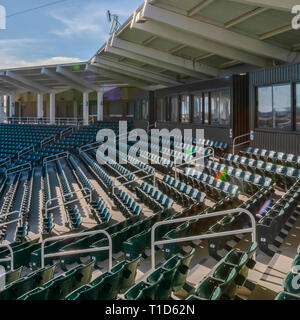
(251, 230)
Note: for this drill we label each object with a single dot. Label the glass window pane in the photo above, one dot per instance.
(265, 112)
(215, 107)
(198, 108)
(225, 108)
(282, 107)
(206, 108)
(174, 109)
(298, 106)
(185, 109)
(160, 109)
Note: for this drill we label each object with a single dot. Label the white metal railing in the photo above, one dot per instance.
(72, 252)
(46, 120)
(20, 168)
(11, 221)
(56, 157)
(234, 145)
(66, 131)
(251, 230)
(47, 140)
(25, 151)
(90, 146)
(5, 161)
(49, 202)
(11, 259)
(193, 160)
(134, 180)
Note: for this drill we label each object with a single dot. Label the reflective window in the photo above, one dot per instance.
(185, 109)
(225, 107)
(161, 111)
(275, 107)
(298, 106)
(198, 108)
(206, 108)
(215, 107)
(174, 109)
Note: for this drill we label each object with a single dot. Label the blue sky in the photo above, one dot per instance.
(70, 31)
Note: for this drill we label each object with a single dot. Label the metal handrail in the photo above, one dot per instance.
(12, 221)
(56, 157)
(5, 161)
(11, 259)
(193, 160)
(68, 253)
(200, 237)
(234, 145)
(89, 195)
(22, 167)
(47, 140)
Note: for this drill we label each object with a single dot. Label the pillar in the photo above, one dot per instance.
(75, 109)
(52, 108)
(85, 113)
(100, 96)
(12, 105)
(40, 105)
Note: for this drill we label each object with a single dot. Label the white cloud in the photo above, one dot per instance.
(89, 22)
(11, 54)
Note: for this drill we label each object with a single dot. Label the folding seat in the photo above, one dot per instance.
(286, 296)
(209, 289)
(142, 291)
(13, 276)
(289, 283)
(182, 271)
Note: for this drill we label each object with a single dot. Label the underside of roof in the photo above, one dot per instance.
(170, 42)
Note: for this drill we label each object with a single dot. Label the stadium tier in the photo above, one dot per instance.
(76, 228)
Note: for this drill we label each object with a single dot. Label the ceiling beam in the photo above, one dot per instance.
(244, 17)
(194, 41)
(149, 40)
(75, 78)
(275, 32)
(204, 56)
(177, 48)
(196, 70)
(215, 33)
(282, 5)
(137, 72)
(59, 78)
(199, 7)
(117, 77)
(229, 64)
(26, 83)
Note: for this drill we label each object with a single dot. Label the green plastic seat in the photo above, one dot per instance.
(291, 283)
(35, 294)
(128, 274)
(182, 271)
(209, 289)
(75, 295)
(226, 274)
(286, 296)
(13, 276)
(296, 261)
(193, 297)
(142, 291)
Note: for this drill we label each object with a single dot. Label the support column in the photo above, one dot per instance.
(75, 109)
(52, 108)
(2, 115)
(12, 105)
(100, 102)
(40, 105)
(85, 113)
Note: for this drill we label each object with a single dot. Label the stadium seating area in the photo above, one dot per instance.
(65, 191)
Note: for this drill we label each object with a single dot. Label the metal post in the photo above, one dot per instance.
(205, 236)
(83, 234)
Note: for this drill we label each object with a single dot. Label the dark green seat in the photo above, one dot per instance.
(105, 288)
(35, 294)
(209, 289)
(286, 296)
(226, 275)
(142, 291)
(182, 271)
(291, 283)
(193, 297)
(128, 274)
(13, 276)
(296, 261)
